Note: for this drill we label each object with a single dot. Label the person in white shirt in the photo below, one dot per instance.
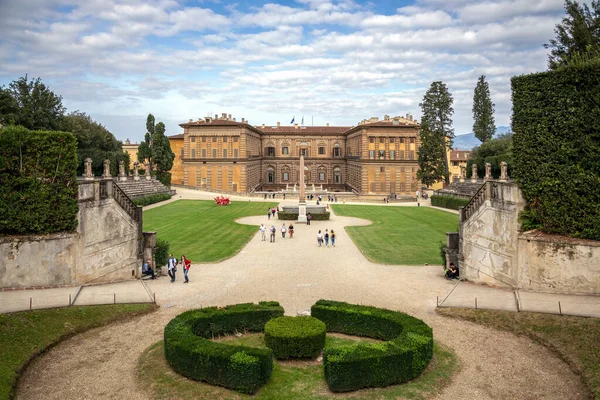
(283, 230)
(319, 238)
(172, 264)
(263, 230)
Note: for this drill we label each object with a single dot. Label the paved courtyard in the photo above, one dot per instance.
(101, 363)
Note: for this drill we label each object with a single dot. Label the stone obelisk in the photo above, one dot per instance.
(302, 198)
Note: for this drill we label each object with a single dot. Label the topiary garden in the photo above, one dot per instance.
(403, 355)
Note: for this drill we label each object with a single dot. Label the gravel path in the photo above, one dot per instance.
(494, 365)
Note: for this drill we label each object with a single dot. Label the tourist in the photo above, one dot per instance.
(284, 196)
(319, 238)
(265, 196)
(273, 212)
(263, 232)
(332, 236)
(326, 237)
(273, 230)
(308, 218)
(172, 267)
(147, 269)
(291, 230)
(452, 272)
(283, 230)
(269, 213)
(418, 194)
(186, 267)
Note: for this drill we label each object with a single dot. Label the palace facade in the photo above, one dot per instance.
(374, 157)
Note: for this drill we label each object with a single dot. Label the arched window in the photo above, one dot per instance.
(270, 175)
(337, 152)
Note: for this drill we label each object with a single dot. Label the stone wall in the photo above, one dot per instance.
(493, 251)
(105, 247)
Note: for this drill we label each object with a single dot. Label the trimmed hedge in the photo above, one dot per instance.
(294, 216)
(153, 198)
(403, 357)
(190, 352)
(38, 182)
(556, 120)
(451, 202)
(295, 337)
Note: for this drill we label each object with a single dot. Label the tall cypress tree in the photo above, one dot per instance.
(484, 125)
(157, 150)
(436, 134)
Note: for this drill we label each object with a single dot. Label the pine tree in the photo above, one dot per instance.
(436, 134)
(577, 36)
(483, 111)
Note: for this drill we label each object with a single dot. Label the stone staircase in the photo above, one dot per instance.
(466, 189)
(143, 188)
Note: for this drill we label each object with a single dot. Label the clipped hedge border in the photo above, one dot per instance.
(404, 356)
(190, 352)
(295, 337)
(294, 216)
(451, 202)
(152, 199)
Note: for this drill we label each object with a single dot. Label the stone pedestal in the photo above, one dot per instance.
(136, 173)
(302, 212)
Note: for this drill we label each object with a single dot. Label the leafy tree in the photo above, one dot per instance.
(577, 36)
(493, 151)
(96, 142)
(484, 125)
(436, 134)
(156, 149)
(37, 107)
(8, 107)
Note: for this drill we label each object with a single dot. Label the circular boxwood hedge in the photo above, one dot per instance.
(405, 354)
(190, 352)
(295, 337)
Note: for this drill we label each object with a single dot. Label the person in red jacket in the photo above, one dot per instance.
(186, 267)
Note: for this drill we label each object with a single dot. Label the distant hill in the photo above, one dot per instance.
(468, 140)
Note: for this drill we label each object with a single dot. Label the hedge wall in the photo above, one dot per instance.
(153, 198)
(38, 182)
(294, 216)
(404, 356)
(295, 337)
(556, 120)
(450, 202)
(190, 352)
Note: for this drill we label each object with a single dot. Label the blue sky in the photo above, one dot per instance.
(336, 61)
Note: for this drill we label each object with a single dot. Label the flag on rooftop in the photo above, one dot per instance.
(294, 118)
(302, 120)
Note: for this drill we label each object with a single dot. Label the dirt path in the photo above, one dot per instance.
(495, 365)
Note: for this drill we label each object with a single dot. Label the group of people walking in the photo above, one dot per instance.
(273, 231)
(325, 238)
(171, 268)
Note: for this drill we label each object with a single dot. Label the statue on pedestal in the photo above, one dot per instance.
(88, 174)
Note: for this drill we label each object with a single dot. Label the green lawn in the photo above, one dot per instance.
(24, 335)
(399, 235)
(290, 380)
(203, 231)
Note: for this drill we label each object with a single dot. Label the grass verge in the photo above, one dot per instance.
(24, 335)
(575, 339)
(399, 235)
(203, 231)
(290, 380)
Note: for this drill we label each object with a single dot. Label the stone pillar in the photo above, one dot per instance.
(148, 172)
(87, 170)
(488, 171)
(122, 176)
(148, 252)
(503, 171)
(136, 174)
(474, 173)
(463, 171)
(106, 173)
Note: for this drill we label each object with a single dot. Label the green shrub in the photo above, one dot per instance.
(404, 356)
(190, 352)
(164, 178)
(38, 182)
(556, 119)
(295, 337)
(451, 202)
(153, 198)
(443, 248)
(161, 252)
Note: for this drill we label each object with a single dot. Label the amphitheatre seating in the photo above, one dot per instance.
(143, 188)
(465, 189)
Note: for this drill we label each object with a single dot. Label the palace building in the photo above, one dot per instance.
(222, 154)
